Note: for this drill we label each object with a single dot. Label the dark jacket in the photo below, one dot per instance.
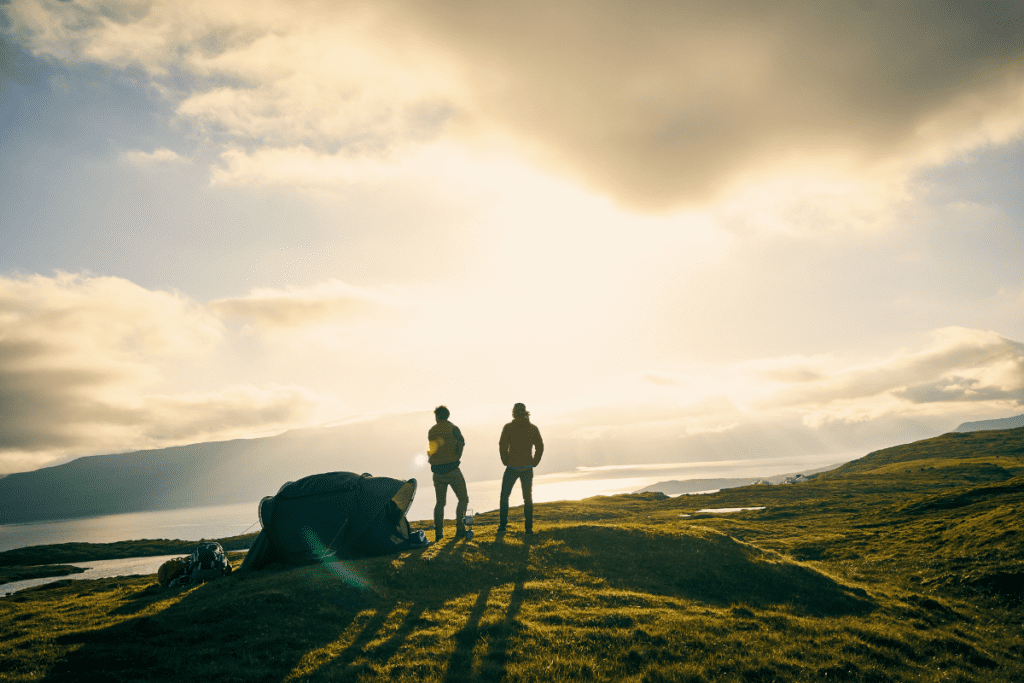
(446, 444)
(518, 439)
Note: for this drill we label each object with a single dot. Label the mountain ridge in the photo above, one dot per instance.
(985, 425)
(216, 472)
(244, 470)
(685, 486)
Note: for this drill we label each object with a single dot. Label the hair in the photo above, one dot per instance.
(519, 410)
(441, 413)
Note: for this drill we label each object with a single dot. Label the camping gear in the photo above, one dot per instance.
(206, 563)
(171, 569)
(334, 515)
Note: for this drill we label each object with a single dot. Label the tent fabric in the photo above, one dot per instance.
(338, 514)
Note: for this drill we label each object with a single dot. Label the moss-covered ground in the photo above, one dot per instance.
(903, 569)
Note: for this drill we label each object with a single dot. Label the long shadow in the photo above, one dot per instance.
(508, 560)
(499, 635)
(144, 599)
(268, 621)
(353, 661)
(494, 668)
(346, 658)
(713, 569)
(312, 620)
(304, 621)
(460, 666)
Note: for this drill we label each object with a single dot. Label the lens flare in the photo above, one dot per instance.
(331, 563)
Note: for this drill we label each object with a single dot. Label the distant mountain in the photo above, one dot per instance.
(983, 425)
(676, 487)
(245, 470)
(211, 473)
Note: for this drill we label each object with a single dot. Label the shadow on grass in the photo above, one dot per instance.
(706, 567)
(288, 624)
(452, 611)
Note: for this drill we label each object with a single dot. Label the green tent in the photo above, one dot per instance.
(335, 514)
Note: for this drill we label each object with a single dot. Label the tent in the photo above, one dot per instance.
(339, 514)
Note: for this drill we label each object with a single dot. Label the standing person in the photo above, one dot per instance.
(444, 454)
(516, 447)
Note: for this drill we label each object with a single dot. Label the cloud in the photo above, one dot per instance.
(98, 364)
(665, 102)
(961, 373)
(82, 361)
(960, 367)
(329, 301)
(957, 388)
(162, 155)
(237, 411)
(654, 104)
(75, 317)
(15, 65)
(304, 167)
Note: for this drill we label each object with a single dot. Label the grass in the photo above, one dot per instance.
(861, 577)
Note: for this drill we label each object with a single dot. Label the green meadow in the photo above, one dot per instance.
(905, 565)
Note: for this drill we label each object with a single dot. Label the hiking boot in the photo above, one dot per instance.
(467, 534)
(529, 532)
(501, 529)
(438, 536)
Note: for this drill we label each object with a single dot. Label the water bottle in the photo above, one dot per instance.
(469, 523)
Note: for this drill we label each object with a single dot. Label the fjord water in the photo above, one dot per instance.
(221, 521)
(218, 521)
(96, 569)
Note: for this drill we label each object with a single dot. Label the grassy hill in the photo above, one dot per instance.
(900, 569)
(966, 450)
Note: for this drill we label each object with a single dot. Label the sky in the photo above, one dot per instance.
(678, 231)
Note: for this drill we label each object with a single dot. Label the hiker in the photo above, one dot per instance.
(444, 453)
(516, 447)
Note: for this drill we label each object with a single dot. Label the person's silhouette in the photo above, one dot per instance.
(444, 454)
(516, 447)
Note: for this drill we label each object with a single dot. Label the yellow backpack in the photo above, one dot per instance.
(171, 569)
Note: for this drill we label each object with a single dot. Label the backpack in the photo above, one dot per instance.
(207, 562)
(171, 569)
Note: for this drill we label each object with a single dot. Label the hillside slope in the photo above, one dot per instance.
(199, 474)
(970, 451)
(898, 569)
(633, 588)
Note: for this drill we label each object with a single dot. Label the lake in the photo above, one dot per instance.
(98, 569)
(188, 524)
(221, 521)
